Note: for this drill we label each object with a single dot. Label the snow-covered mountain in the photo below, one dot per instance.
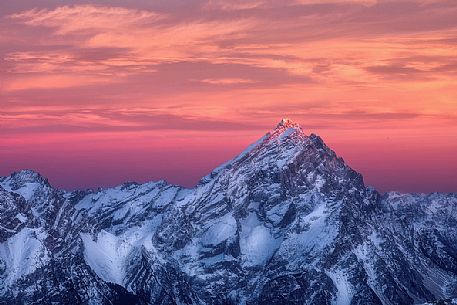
(285, 222)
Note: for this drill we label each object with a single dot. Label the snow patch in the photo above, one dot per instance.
(344, 291)
(256, 242)
(276, 214)
(287, 133)
(23, 253)
(210, 261)
(220, 231)
(376, 239)
(317, 235)
(21, 217)
(27, 190)
(106, 256)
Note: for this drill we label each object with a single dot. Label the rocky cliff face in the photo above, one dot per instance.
(285, 222)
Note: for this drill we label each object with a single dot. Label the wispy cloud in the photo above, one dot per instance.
(227, 81)
(362, 2)
(54, 81)
(90, 18)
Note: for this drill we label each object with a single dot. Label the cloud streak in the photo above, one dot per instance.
(89, 18)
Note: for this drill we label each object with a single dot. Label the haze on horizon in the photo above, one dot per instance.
(95, 93)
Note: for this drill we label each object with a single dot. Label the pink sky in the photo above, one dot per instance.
(94, 93)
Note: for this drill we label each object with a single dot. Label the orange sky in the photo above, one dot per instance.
(98, 92)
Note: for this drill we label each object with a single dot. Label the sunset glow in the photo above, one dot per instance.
(96, 93)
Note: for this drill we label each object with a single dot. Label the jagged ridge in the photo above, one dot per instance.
(285, 222)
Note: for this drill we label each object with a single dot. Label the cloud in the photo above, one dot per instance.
(117, 41)
(227, 81)
(413, 68)
(256, 52)
(98, 61)
(362, 2)
(54, 81)
(62, 120)
(234, 5)
(70, 19)
(395, 71)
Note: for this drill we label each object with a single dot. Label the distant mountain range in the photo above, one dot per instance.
(285, 222)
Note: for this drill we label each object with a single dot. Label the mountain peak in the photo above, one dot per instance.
(23, 177)
(27, 176)
(287, 123)
(284, 129)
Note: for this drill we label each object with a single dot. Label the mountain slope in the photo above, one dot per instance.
(285, 222)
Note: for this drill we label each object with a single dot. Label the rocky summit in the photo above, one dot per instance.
(285, 222)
